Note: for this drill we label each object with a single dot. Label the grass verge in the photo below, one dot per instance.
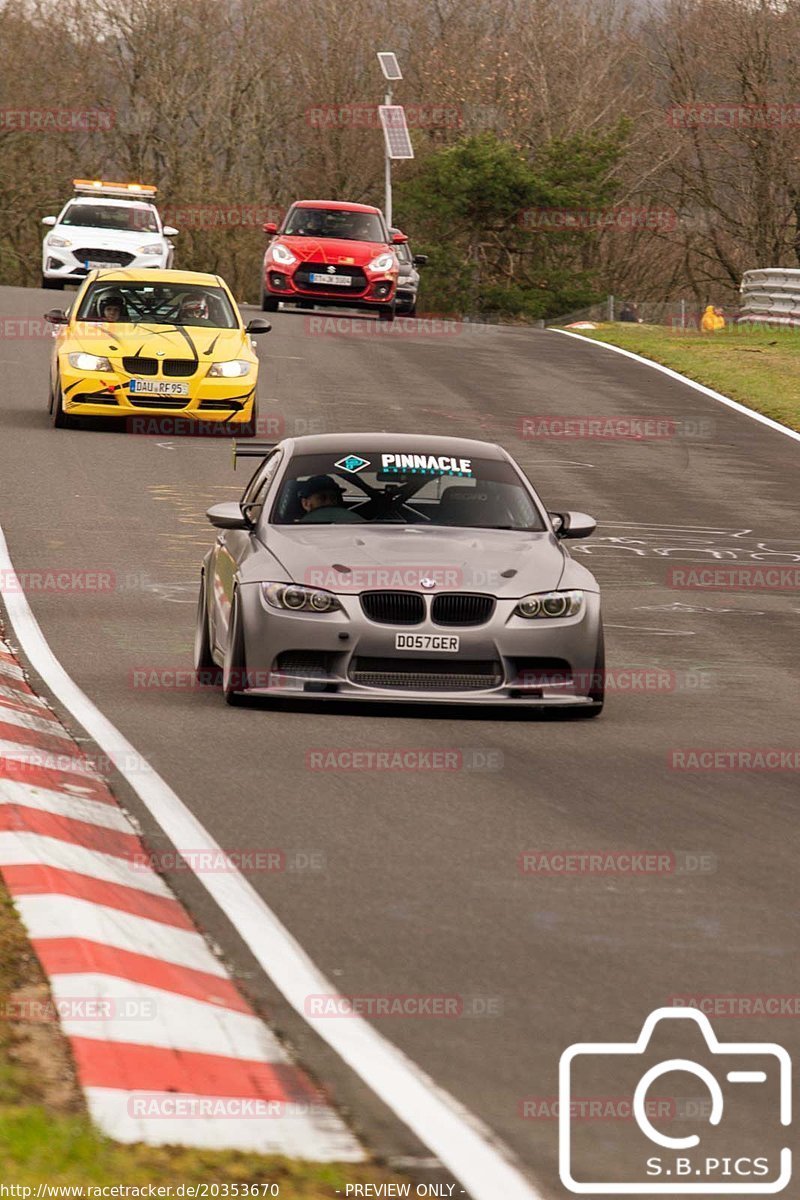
(758, 367)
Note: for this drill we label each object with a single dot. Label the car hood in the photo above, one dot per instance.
(168, 341)
(503, 562)
(84, 236)
(334, 250)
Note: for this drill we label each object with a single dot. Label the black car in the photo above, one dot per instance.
(408, 277)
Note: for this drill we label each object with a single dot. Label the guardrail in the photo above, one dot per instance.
(771, 294)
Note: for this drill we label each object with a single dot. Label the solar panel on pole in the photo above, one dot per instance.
(395, 131)
(389, 65)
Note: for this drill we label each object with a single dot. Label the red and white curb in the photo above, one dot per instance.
(167, 1051)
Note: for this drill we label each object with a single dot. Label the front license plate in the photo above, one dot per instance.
(426, 641)
(93, 265)
(333, 280)
(158, 387)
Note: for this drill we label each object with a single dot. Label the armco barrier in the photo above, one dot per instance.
(771, 294)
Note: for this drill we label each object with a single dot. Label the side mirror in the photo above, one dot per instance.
(48, 220)
(56, 316)
(258, 325)
(399, 239)
(270, 227)
(420, 260)
(228, 516)
(170, 231)
(573, 524)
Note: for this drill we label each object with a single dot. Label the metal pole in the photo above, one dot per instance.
(611, 308)
(683, 314)
(387, 206)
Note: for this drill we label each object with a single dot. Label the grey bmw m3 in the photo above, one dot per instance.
(397, 567)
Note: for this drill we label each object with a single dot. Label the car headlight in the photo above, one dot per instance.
(88, 362)
(152, 248)
(282, 254)
(549, 604)
(384, 262)
(231, 369)
(299, 599)
(55, 240)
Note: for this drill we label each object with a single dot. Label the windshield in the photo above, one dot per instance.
(158, 304)
(336, 223)
(381, 487)
(138, 218)
(403, 254)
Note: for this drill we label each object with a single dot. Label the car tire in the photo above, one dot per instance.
(268, 303)
(597, 691)
(387, 313)
(246, 429)
(52, 285)
(207, 673)
(234, 669)
(412, 311)
(59, 417)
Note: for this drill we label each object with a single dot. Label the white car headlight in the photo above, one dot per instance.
(231, 369)
(299, 599)
(549, 605)
(384, 262)
(152, 248)
(55, 240)
(88, 362)
(282, 254)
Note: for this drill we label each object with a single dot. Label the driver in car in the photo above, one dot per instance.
(321, 500)
(112, 309)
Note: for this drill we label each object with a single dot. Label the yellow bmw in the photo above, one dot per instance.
(161, 350)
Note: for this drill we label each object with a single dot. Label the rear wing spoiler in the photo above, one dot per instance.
(252, 449)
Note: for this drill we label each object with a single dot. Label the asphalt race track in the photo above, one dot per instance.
(410, 881)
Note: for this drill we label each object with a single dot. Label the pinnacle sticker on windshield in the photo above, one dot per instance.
(426, 464)
(352, 463)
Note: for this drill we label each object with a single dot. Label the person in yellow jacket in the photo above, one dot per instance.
(712, 319)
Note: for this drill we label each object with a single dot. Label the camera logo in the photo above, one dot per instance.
(727, 1157)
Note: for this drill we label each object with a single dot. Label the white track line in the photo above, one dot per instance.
(698, 387)
(284, 1133)
(75, 808)
(71, 917)
(20, 849)
(150, 1016)
(466, 1146)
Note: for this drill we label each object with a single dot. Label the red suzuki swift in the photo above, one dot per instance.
(331, 252)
